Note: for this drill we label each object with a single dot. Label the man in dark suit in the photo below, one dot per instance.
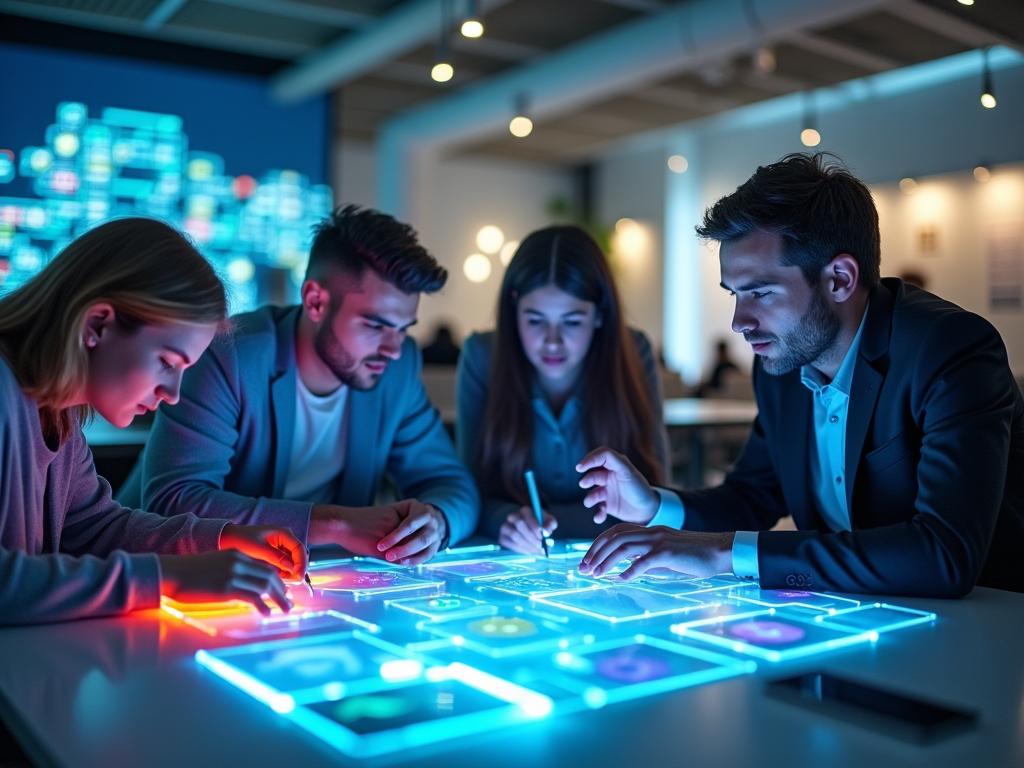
(890, 425)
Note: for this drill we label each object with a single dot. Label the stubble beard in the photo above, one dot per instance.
(813, 340)
(341, 363)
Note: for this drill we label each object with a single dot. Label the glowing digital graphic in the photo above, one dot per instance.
(446, 607)
(361, 579)
(619, 603)
(124, 162)
(485, 569)
(782, 597)
(776, 635)
(491, 647)
(541, 583)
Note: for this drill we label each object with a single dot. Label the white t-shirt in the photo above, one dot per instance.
(318, 445)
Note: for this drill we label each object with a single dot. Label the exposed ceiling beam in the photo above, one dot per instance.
(495, 49)
(847, 54)
(224, 41)
(644, 6)
(681, 98)
(950, 26)
(163, 12)
(394, 34)
(318, 14)
(773, 83)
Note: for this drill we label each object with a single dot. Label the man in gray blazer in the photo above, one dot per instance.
(293, 420)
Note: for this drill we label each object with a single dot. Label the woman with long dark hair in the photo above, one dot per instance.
(560, 375)
(108, 327)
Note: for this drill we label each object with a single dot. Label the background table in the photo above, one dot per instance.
(127, 692)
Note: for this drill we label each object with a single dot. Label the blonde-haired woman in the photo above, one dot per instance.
(108, 327)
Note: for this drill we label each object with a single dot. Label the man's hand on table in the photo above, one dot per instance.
(251, 562)
(618, 489)
(407, 532)
(689, 552)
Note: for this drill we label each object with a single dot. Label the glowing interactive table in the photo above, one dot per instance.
(483, 656)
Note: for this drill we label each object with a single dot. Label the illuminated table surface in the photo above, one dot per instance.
(129, 691)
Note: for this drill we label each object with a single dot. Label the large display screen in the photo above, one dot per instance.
(84, 139)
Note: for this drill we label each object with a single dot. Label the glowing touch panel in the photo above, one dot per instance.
(339, 689)
(367, 579)
(506, 635)
(443, 607)
(619, 604)
(774, 635)
(490, 639)
(617, 670)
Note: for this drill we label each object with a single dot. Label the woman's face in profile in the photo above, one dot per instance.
(556, 329)
(130, 374)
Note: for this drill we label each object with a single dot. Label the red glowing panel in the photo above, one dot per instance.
(243, 187)
(64, 181)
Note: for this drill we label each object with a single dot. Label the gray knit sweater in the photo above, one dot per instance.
(67, 550)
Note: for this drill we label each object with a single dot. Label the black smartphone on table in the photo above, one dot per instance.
(886, 711)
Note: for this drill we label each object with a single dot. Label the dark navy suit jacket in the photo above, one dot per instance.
(934, 454)
(223, 450)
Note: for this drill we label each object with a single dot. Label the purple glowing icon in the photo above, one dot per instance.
(628, 667)
(767, 632)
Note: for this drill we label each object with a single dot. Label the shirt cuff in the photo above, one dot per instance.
(744, 556)
(671, 512)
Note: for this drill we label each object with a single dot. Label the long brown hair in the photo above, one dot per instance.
(615, 392)
(148, 271)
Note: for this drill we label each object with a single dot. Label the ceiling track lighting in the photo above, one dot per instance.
(473, 25)
(443, 71)
(988, 96)
(521, 125)
(762, 57)
(809, 135)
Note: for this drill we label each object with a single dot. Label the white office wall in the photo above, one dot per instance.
(455, 198)
(937, 129)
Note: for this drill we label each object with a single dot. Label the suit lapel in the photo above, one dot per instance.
(797, 435)
(282, 399)
(868, 377)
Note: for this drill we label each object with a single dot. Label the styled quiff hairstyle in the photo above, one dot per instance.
(352, 240)
(147, 270)
(818, 207)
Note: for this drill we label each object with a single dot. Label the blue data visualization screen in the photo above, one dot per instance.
(87, 138)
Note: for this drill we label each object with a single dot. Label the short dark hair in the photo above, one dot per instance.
(818, 207)
(354, 239)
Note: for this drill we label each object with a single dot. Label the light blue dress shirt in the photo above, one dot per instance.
(828, 465)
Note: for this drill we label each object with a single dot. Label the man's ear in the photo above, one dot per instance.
(98, 324)
(316, 300)
(841, 277)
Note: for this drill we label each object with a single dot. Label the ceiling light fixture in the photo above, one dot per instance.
(966, 2)
(442, 70)
(473, 25)
(988, 97)
(908, 186)
(678, 164)
(982, 173)
(809, 136)
(521, 126)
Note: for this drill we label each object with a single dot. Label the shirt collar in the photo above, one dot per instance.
(814, 379)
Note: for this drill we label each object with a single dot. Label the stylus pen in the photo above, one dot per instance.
(309, 584)
(531, 485)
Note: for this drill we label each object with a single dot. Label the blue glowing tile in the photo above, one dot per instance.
(705, 589)
(411, 707)
(321, 667)
(773, 635)
(540, 583)
(518, 632)
(785, 597)
(443, 607)
(628, 668)
(879, 617)
(487, 569)
(618, 603)
(367, 579)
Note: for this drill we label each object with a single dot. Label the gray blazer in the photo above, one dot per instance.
(223, 450)
(558, 443)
